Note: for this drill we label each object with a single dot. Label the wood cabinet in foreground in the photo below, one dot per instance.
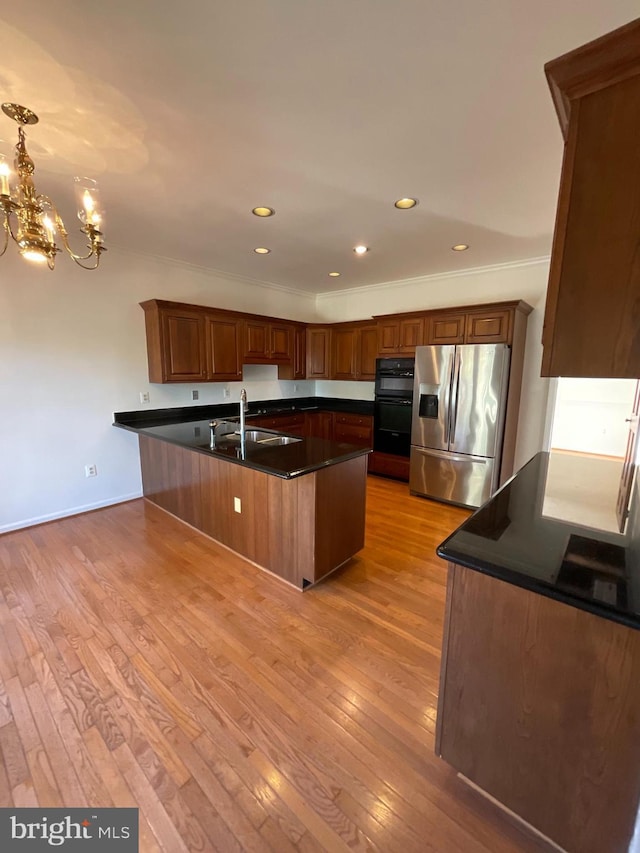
(592, 314)
(539, 706)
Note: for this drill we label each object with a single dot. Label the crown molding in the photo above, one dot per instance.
(423, 279)
(214, 272)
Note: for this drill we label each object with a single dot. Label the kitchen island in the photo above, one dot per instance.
(296, 509)
(539, 702)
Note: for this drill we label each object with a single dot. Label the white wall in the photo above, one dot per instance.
(527, 281)
(72, 351)
(590, 414)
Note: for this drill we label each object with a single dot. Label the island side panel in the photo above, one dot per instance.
(171, 478)
(341, 492)
(541, 709)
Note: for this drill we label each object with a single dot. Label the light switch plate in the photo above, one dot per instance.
(237, 505)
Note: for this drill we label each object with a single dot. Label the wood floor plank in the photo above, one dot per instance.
(141, 664)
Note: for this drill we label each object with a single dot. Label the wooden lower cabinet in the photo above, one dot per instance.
(539, 706)
(389, 465)
(319, 424)
(353, 429)
(299, 529)
(293, 424)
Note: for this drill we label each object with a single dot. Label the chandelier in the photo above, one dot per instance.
(31, 219)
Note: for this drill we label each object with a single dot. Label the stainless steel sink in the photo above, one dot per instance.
(260, 437)
(279, 439)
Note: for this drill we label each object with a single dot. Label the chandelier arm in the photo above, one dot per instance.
(97, 254)
(65, 240)
(5, 228)
(7, 222)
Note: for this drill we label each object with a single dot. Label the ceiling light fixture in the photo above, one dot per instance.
(262, 250)
(35, 215)
(334, 274)
(360, 250)
(460, 247)
(263, 211)
(405, 203)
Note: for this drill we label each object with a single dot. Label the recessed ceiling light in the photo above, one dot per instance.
(405, 203)
(263, 211)
(261, 250)
(460, 247)
(334, 274)
(360, 250)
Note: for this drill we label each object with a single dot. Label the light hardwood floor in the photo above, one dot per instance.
(143, 665)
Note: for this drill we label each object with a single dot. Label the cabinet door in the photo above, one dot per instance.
(223, 349)
(388, 336)
(367, 352)
(446, 329)
(183, 350)
(319, 425)
(280, 342)
(300, 353)
(411, 334)
(344, 353)
(318, 353)
(256, 339)
(591, 320)
(488, 327)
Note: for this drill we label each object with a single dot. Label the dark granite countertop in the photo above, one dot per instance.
(286, 461)
(158, 417)
(511, 539)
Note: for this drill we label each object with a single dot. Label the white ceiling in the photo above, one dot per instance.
(191, 113)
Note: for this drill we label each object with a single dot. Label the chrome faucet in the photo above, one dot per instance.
(214, 426)
(244, 406)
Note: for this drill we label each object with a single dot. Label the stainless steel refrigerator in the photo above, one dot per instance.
(459, 402)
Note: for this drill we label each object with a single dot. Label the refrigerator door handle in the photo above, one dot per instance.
(455, 389)
(454, 457)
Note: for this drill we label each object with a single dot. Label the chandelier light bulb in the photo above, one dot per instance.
(24, 213)
(5, 171)
(34, 256)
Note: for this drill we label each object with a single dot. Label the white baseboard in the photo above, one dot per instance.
(65, 513)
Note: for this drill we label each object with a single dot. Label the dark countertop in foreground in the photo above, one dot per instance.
(286, 461)
(510, 539)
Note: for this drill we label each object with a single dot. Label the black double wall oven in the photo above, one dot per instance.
(393, 406)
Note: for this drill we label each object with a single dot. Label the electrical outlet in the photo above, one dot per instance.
(90, 471)
(144, 397)
(295, 387)
(195, 394)
(226, 393)
(237, 505)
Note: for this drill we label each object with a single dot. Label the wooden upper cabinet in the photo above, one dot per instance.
(592, 314)
(488, 327)
(344, 353)
(446, 329)
(367, 352)
(299, 352)
(176, 350)
(223, 348)
(354, 351)
(318, 352)
(267, 342)
(400, 335)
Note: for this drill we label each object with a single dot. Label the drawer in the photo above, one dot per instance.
(353, 434)
(279, 422)
(353, 420)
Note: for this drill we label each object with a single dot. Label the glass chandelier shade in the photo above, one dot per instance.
(31, 219)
